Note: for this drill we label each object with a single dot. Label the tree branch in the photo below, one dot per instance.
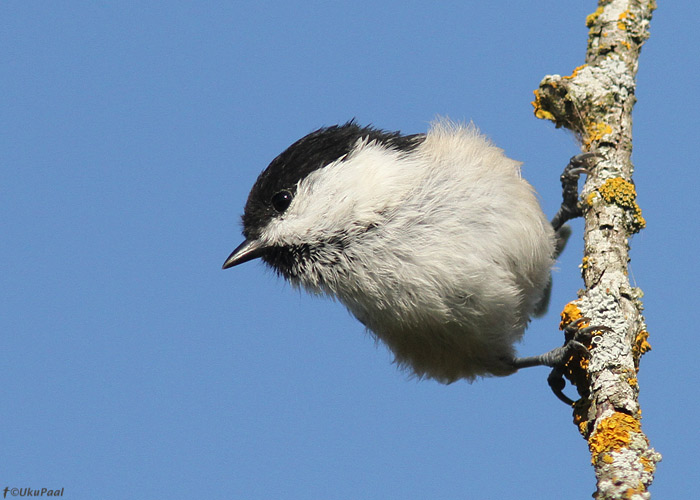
(596, 103)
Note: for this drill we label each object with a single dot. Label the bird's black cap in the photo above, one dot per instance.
(310, 153)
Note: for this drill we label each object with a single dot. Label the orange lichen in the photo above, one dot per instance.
(621, 19)
(575, 369)
(591, 18)
(620, 192)
(591, 196)
(647, 464)
(595, 132)
(580, 421)
(613, 434)
(540, 113)
(641, 346)
(570, 314)
(575, 72)
(584, 262)
(630, 492)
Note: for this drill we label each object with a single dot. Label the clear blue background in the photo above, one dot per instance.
(134, 367)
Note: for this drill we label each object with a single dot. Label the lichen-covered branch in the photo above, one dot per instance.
(596, 103)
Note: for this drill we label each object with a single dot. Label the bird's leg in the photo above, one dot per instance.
(570, 208)
(576, 339)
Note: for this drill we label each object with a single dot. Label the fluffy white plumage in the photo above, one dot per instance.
(442, 252)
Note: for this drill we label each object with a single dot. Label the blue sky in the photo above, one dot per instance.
(134, 367)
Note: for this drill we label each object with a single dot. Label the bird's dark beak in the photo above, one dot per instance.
(248, 250)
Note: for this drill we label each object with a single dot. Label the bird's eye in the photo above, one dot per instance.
(281, 201)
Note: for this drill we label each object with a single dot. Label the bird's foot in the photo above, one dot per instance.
(570, 208)
(576, 340)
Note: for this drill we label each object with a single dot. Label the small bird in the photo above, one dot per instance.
(433, 241)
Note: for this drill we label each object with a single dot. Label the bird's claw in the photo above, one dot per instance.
(577, 338)
(570, 208)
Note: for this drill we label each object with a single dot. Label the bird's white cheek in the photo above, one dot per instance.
(312, 223)
(284, 231)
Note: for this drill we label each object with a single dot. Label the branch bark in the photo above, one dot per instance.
(596, 103)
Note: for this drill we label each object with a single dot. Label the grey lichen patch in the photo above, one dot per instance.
(569, 101)
(611, 350)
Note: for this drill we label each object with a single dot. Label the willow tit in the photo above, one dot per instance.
(433, 241)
